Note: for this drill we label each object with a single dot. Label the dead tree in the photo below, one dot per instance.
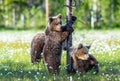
(69, 39)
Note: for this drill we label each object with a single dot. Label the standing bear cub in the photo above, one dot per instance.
(38, 42)
(53, 43)
(82, 61)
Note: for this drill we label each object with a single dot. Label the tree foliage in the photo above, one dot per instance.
(31, 13)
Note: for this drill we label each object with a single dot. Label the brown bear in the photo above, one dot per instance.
(82, 61)
(53, 44)
(37, 45)
(38, 42)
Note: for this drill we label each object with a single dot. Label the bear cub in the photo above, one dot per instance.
(53, 43)
(38, 42)
(82, 61)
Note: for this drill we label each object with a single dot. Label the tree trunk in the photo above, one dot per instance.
(47, 9)
(69, 39)
(92, 19)
(94, 8)
(111, 20)
(98, 17)
(30, 2)
(22, 20)
(1, 1)
(14, 17)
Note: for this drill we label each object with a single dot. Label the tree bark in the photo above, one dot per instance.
(69, 39)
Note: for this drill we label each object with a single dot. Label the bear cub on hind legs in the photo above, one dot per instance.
(38, 42)
(53, 44)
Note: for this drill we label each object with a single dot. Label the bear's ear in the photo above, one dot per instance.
(59, 16)
(80, 46)
(71, 49)
(88, 47)
(50, 19)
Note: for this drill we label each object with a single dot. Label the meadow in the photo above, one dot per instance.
(15, 56)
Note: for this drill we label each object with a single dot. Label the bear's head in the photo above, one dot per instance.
(81, 52)
(55, 23)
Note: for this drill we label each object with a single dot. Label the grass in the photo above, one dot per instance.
(15, 58)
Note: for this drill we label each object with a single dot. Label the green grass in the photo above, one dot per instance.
(15, 58)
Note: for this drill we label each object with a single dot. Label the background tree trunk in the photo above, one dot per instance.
(111, 20)
(30, 2)
(47, 9)
(22, 19)
(14, 17)
(92, 19)
(98, 16)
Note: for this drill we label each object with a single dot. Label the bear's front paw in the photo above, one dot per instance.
(70, 30)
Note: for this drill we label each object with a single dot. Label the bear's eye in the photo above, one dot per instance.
(57, 23)
(84, 53)
(60, 22)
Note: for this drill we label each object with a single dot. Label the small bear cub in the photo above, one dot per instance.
(82, 60)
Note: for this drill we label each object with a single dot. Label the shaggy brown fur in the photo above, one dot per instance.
(53, 44)
(82, 61)
(38, 42)
(37, 47)
(91, 63)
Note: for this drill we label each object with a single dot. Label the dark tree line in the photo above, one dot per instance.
(32, 13)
